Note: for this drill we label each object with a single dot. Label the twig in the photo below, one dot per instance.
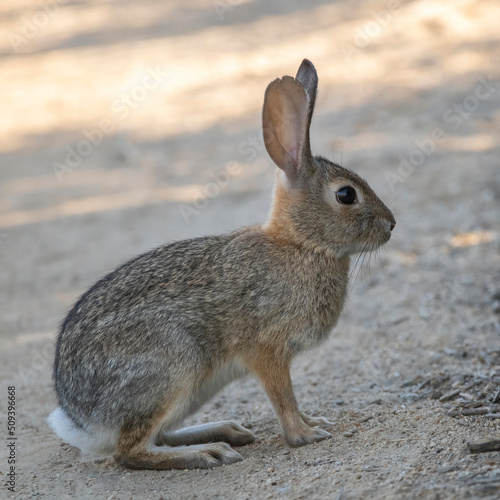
(495, 397)
(484, 446)
(476, 404)
(466, 395)
(423, 384)
(474, 411)
(449, 395)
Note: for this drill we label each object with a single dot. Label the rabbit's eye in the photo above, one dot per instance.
(346, 195)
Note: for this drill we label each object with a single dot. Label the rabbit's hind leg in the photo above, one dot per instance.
(133, 451)
(227, 431)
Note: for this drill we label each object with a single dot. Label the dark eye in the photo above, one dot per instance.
(346, 195)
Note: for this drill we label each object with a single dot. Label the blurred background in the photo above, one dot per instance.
(125, 125)
(119, 117)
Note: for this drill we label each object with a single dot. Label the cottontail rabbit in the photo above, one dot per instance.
(151, 342)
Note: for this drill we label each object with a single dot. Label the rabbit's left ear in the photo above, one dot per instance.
(286, 118)
(308, 78)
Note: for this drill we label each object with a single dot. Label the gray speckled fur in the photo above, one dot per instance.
(149, 343)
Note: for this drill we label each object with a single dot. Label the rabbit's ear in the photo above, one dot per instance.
(286, 118)
(308, 77)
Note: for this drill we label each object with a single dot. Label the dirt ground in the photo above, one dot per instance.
(118, 121)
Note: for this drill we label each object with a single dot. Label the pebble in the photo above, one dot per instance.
(408, 397)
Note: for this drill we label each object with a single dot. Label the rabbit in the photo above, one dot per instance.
(152, 341)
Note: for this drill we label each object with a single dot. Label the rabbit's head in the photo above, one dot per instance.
(316, 202)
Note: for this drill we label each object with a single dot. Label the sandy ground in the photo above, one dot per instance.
(171, 95)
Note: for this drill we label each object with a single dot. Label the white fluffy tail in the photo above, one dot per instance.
(99, 442)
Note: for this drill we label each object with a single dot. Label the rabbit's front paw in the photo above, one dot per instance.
(311, 435)
(314, 421)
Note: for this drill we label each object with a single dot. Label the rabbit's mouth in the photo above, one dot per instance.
(386, 236)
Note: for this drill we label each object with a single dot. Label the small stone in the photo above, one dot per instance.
(436, 394)
(408, 397)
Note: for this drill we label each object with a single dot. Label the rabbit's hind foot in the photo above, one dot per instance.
(134, 451)
(204, 456)
(227, 431)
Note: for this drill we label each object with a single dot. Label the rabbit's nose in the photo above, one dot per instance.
(393, 225)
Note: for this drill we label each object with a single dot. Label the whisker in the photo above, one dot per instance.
(362, 256)
(367, 274)
(363, 268)
(353, 269)
(366, 270)
(394, 202)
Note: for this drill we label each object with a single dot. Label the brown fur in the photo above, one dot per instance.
(272, 367)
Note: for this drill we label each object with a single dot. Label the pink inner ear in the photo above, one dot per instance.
(292, 129)
(294, 126)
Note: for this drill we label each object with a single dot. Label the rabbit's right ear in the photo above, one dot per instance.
(286, 118)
